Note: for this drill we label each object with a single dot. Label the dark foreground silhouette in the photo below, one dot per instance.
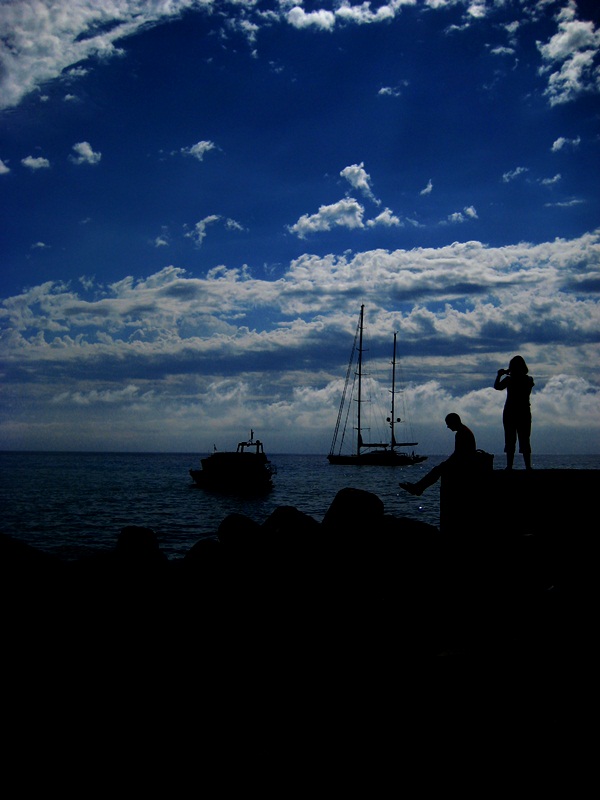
(354, 575)
(296, 619)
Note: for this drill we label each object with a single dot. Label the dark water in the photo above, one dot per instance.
(71, 504)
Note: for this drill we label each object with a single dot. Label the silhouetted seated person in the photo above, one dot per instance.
(461, 460)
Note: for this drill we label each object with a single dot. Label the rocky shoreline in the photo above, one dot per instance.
(358, 574)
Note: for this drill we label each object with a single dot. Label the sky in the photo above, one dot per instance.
(197, 197)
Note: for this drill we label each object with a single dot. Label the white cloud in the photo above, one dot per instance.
(41, 38)
(551, 181)
(4, 169)
(389, 91)
(31, 162)
(571, 57)
(46, 40)
(358, 178)
(346, 213)
(477, 9)
(181, 350)
(467, 213)
(85, 154)
(565, 203)
(502, 51)
(199, 149)
(428, 189)
(362, 14)
(299, 18)
(387, 218)
(199, 232)
(514, 173)
(561, 143)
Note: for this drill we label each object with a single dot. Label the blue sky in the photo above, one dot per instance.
(196, 198)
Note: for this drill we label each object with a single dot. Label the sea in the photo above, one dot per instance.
(74, 504)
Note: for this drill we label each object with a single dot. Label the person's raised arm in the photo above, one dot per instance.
(499, 383)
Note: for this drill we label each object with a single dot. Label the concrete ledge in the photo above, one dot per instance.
(502, 503)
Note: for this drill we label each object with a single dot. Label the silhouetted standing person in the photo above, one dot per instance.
(463, 457)
(516, 417)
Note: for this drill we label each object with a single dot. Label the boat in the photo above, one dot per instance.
(384, 454)
(247, 470)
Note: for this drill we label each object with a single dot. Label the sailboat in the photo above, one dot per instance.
(385, 454)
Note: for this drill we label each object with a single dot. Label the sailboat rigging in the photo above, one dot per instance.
(373, 453)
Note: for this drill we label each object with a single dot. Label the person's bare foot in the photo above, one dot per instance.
(411, 487)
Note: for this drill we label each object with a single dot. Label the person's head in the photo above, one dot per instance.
(453, 421)
(517, 366)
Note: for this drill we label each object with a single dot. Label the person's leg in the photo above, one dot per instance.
(427, 480)
(510, 439)
(524, 434)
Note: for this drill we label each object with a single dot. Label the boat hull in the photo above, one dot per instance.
(235, 473)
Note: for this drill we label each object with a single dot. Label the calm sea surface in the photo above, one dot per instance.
(73, 504)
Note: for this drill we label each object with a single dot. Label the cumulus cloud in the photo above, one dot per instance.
(233, 225)
(198, 234)
(42, 38)
(47, 40)
(346, 213)
(4, 169)
(199, 149)
(571, 58)
(466, 214)
(551, 181)
(200, 229)
(321, 19)
(387, 218)
(562, 142)
(169, 342)
(35, 163)
(389, 91)
(84, 154)
(428, 189)
(512, 174)
(359, 179)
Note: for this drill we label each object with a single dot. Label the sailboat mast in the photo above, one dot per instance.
(359, 401)
(393, 418)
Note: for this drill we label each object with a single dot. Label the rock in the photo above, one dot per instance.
(353, 512)
(239, 533)
(138, 546)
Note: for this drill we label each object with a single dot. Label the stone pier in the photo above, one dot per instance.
(539, 501)
(551, 511)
